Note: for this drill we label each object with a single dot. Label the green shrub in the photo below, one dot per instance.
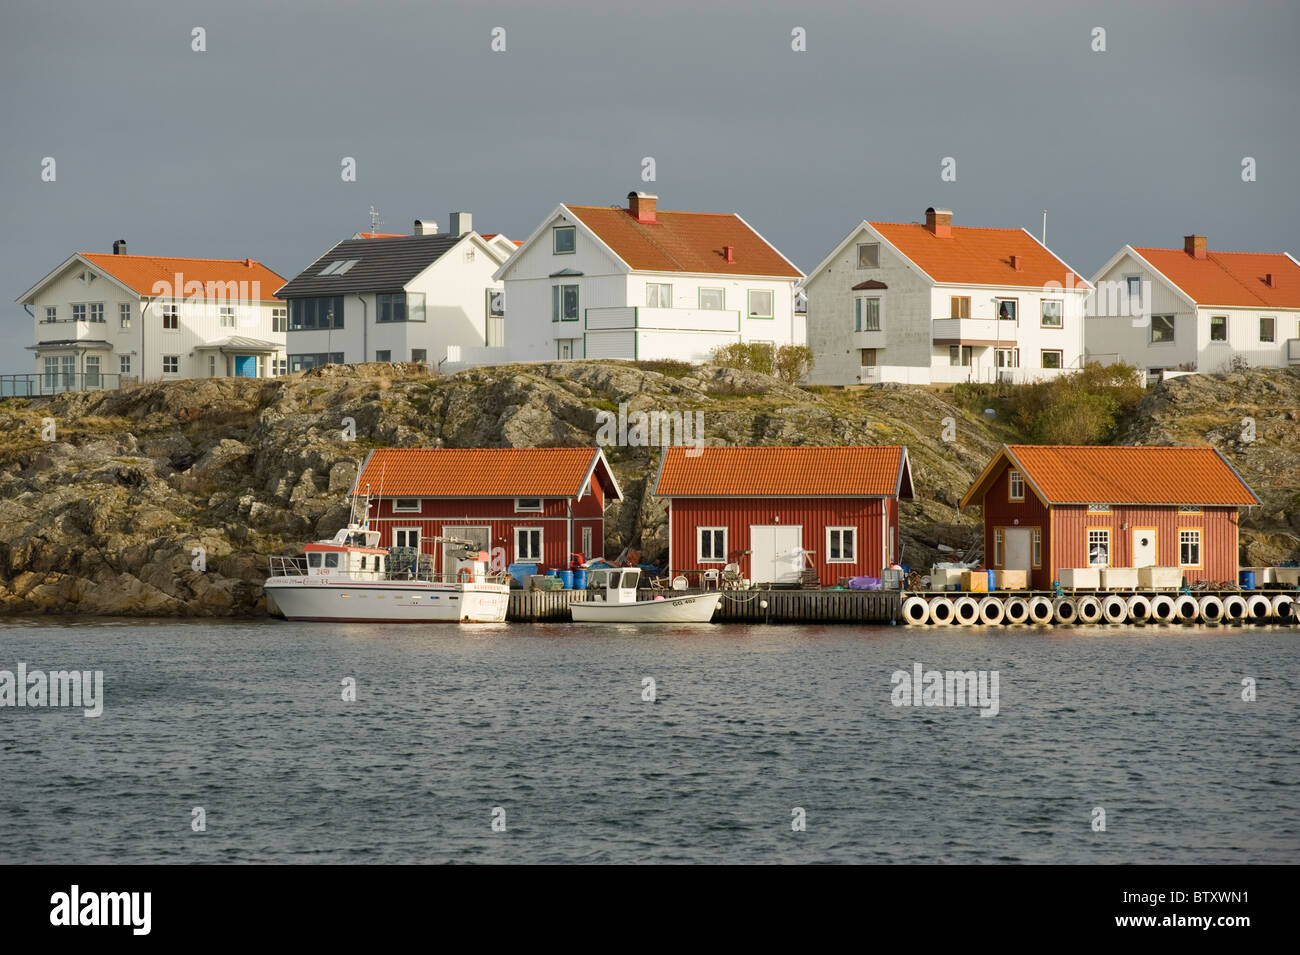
(789, 363)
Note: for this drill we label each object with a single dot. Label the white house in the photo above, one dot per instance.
(1192, 309)
(645, 283)
(921, 304)
(380, 297)
(107, 320)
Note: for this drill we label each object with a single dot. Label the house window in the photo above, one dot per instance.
(304, 361)
(867, 315)
(658, 296)
(1189, 548)
(281, 366)
(124, 314)
(528, 504)
(1134, 283)
(1267, 328)
(407, 537)
(528, 544)
(564, 239)
(51, 313)
(279, 319)
(1162, 328)
(124, 364)
(321, 312)
(385, 354)
(92, 371)
(587, 535)
(78, 313)
(711, 544)
(97, 311)
(1051, 359)
(1098, 508)
(564, 348)
(227, 314)
(713, 298)
(1007, 308)
(1189, 509)
(564, 303)
(999, 538)
(1098, 548)
(869, 255)
(171, 316)
(1219, 328)
(1036, 547)
(841, 545)
(171, 364)
(419, 355)
(960, 306)
(1008, 357)
(1015, 486)
(390, 307)
(406, 504)
(212, 366)
(960, 354)
(1051, 310)
(760, 303)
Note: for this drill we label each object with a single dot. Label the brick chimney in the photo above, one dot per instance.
(641, 206)
(939, 221)
(1194, 245)
(119, 247)
(1268, 280)
(729, 253)
(1017, 263)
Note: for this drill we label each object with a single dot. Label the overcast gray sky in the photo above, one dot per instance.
(235, 152)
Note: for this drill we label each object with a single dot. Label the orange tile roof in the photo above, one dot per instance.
(483, 472)
(142, 272)
(1230, 278)
(975, 256)
(783, 472)
(1066, 474)
(685, 242)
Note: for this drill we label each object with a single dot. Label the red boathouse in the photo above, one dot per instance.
(765, 508)
(521, 505)
(1048, 507)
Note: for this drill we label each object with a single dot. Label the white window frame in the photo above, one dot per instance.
(227, 316)
(124, 364)
(722, 298)
(1272, 330)
(862, 314)
(699, 544)
(279, 318)
(851, 545)
(1060, 312)
(173, 312)
(1015, 480)
(1103, 535)
(95, 309)
(175, 361)
(555, 239)
(662, 295)
(522, 508)
(749, 303)
(531, 557)
(401, 507)
(419, 536)
(124, 314)
(999, 542)
(1193, 538)
(51, 313)
(862, 247)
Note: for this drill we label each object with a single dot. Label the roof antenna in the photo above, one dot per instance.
(1044, 227)
(375, 221)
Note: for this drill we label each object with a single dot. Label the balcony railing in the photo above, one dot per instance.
(974, 329)
(38, 384)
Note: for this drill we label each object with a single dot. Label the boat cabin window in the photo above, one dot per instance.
(363, 561)
(331, 560)
(313, 560)
(629, 580)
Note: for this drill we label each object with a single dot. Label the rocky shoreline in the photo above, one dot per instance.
(167, 499)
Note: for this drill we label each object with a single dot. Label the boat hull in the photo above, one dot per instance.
(389, 603)
(691, 608)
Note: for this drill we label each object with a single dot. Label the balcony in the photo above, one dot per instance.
(662, 319)
(973, 331)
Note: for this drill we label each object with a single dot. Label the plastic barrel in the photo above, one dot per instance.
(579, 580)
(566, 579)
(1247, 580)
(992, 583)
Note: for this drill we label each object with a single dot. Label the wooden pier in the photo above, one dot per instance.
(738, 606)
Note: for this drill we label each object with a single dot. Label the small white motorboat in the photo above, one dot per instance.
(617, 602)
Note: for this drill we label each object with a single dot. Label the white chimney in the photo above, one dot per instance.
(425, 227)
(461, 222)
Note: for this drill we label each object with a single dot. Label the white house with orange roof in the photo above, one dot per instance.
(1195, 309)
(931, 303)
(645, 283)
(104, 320)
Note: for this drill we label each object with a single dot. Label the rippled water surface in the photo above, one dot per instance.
(548, 722)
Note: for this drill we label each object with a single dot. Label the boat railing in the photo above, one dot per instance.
(282, 566)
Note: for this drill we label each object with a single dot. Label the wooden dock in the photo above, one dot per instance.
(745, 606)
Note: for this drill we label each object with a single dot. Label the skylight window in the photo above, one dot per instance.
(337, 268)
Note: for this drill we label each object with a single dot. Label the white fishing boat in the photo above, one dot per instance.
(616, 602)
(350, 578)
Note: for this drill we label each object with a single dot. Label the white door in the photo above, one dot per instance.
(775, 553)
(1019, 545)
(1144, 547)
